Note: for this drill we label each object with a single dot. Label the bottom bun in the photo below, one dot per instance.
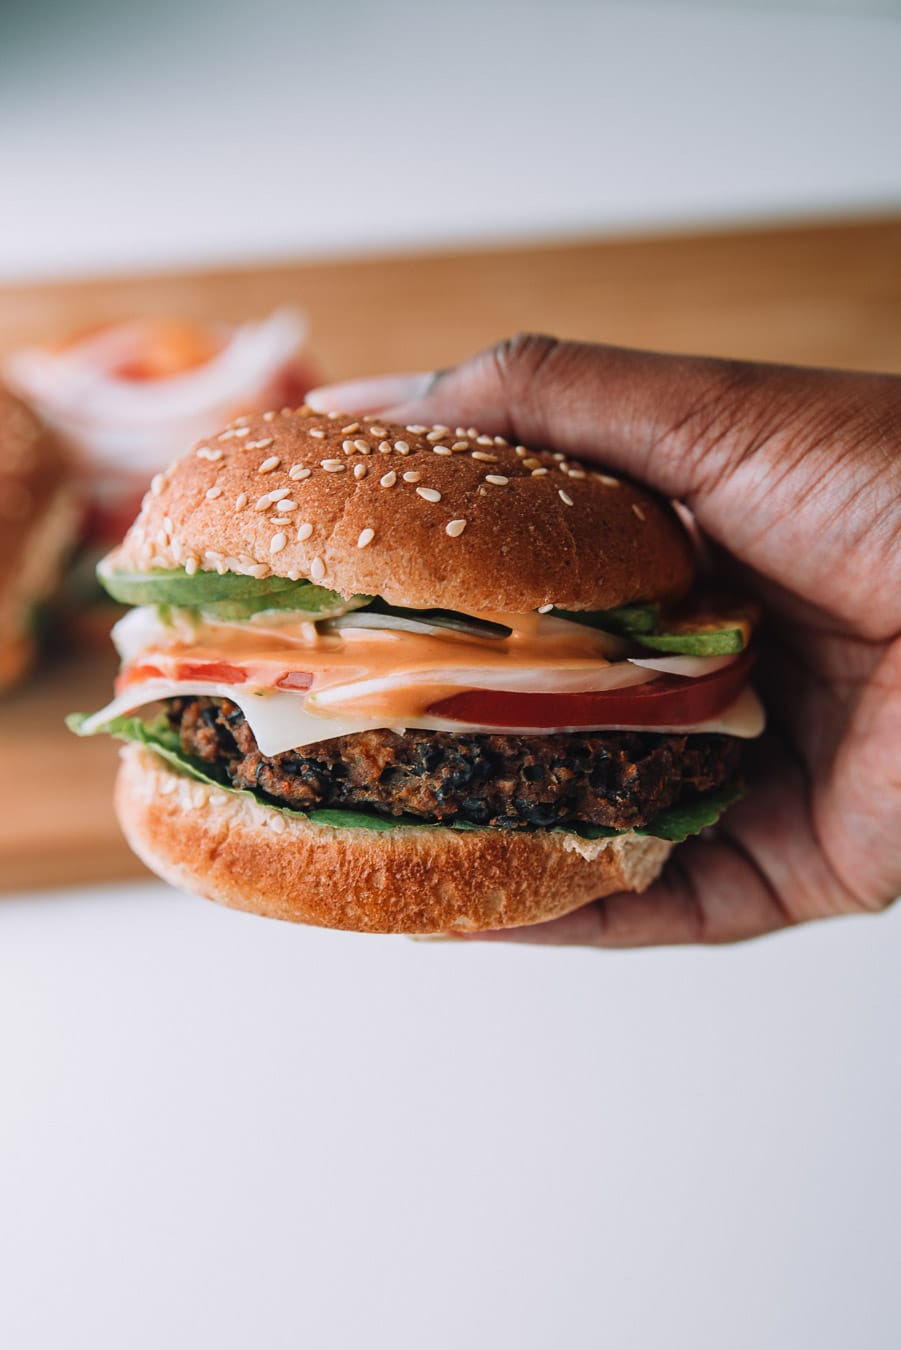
(232, 849)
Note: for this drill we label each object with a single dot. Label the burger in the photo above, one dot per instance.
(414, 679)
(39, 517)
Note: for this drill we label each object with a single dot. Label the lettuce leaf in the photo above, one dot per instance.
(674, 824)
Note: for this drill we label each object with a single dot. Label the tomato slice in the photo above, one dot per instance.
(295, 679)
(219, 671)
(670, 701)
(137, 675)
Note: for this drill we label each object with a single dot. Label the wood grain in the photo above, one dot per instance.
(826, 294)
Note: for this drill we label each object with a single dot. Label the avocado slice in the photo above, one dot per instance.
(627, 620)
(229, 596)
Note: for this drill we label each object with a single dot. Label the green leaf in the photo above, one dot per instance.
(686, 818)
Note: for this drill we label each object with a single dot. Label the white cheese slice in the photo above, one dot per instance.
(280, 722)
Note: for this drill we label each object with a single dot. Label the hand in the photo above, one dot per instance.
(794, 477)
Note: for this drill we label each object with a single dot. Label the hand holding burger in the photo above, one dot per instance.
(795, 477)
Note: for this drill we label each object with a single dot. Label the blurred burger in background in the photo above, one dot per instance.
(39, 517)
(124, 398)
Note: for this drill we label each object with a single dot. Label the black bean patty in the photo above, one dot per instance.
(617, 778)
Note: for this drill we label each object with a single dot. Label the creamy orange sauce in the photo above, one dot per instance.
(422, 668)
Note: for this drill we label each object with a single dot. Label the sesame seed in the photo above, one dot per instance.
(317, 433)
(417, 430)
(269, 416)
(240, 501)
(206, 452)
(365, 537)
(484, 440)
(360, 471)
(401, 446)
(520, 450)
(269, 464)
(157, 483)
(484, 456)
(499, 440)
(539, 473)
(283, 522)
(460, 445)
(558, 457)
(472, 432)
(378, 431)
(221, 568)
(298, 472)
(607, 480)
(439, 426)
(304, 531)
(317, 569)
(277, 542)
(430, 494)
(388, 479)
(277, 824)
(287, 506)
(436, 436)
(531, 464)
(333, 415)
(350, 428)
(638, 511)
(167, 524)
(232, 433)
(258, 570)
(333, 465)
(348, 447)
(545, 609)
(263, 503)
(455, 528)
(363, 446)
(576, 473)
(442, 450)
(213, 492)
(564, 497)
(384, 447)
(412, 476)
(498, 479)
(213, 555)
(264, 444)
(162, 538)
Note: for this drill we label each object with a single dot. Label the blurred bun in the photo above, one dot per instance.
(422, 516)
(38, 522)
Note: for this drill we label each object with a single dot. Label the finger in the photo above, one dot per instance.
(359, 396)
(709, 893)
(767, 457)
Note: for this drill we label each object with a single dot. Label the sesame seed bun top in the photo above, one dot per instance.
(423, 516)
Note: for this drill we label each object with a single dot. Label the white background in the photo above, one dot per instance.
(218, 1131)
(199, 130)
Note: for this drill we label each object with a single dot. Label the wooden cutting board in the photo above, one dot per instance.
(828, 294)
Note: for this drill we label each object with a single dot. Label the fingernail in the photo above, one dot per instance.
(382, 391)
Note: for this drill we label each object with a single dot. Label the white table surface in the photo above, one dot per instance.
(218, 1131)
(221, 1131)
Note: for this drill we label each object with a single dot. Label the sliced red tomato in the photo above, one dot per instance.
(137, 675)
(670, 701)
(218, 671)
(295, 679)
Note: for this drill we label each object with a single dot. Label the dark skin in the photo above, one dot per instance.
(794, 478)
